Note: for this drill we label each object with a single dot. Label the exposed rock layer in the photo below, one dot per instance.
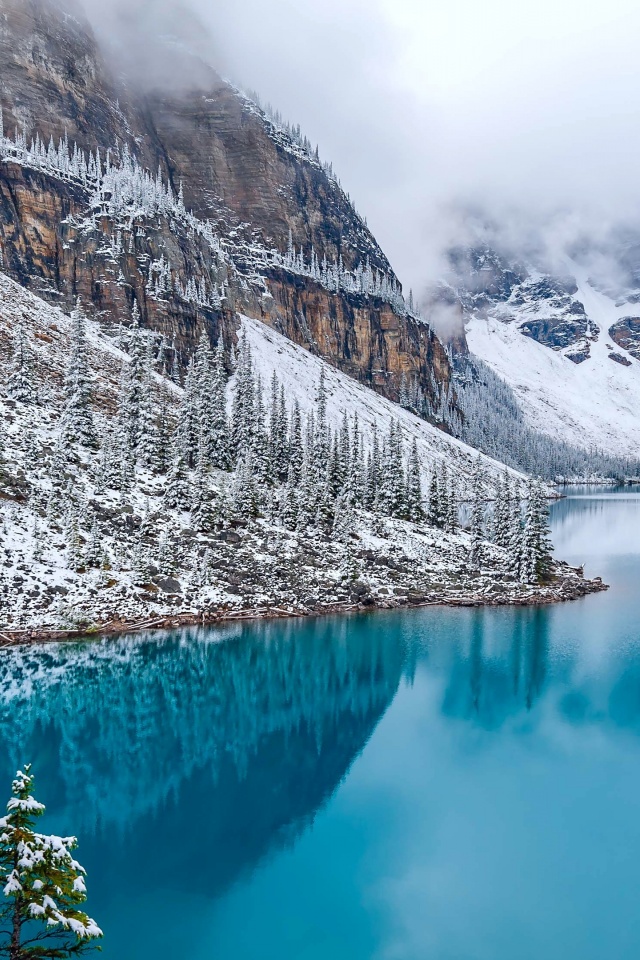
(234, 168)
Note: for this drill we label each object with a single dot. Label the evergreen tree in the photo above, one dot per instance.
(536, 544)
(322, 435)
(306, 499)
(21, 385)
(325, 513)
(243, 406)
(296, 446)
(149, 440)
(515, 539)
(261, 459)
(435, 514)
(415, 510)
(94, 553)
(134, 374)
(188, 429)
(477, 517)
(178, 491)
(218, 420)
(44, 885)
(502, 511)
(163, 434)
(451, 519)
(77, 416)
(289, 503)
(245, 501)
(356, 479)
(344, 518)
(373, 471)
(3, 445)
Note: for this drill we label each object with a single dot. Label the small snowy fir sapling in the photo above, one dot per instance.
(44, 886)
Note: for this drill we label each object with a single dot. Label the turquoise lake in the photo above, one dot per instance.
(451, 784)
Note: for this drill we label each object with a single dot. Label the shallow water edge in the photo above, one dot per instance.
(567, 584)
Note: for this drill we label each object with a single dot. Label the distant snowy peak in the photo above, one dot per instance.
(547, 307)
(569, 351)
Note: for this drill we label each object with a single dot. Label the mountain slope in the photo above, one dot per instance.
(559, 343)
(249, 219)
(108, 537)
(300, 374)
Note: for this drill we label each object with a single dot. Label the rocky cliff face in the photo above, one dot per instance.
(546, 308)
(189, 202)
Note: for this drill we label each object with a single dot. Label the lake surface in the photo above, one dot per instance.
(438, 783)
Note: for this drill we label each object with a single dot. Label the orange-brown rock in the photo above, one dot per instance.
(236, 170)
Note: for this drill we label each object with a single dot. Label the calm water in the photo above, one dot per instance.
(443, 784)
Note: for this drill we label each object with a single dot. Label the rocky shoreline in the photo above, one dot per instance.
(567, 584)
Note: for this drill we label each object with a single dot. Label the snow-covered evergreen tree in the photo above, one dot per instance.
(502, 511)
(44, 885)
(218, 424)
(22, 383)
(477, 517)
(415, 510)
(536, 543)
(243, 406)
(77, 422)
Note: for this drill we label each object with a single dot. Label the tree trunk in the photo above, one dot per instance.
(15, 952)
(14, 947)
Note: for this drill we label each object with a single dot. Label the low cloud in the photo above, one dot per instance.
(432, 113)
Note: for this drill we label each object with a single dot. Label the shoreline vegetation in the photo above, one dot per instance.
(567, 584)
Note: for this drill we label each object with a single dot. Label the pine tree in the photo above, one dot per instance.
(451, 518)
(94, 553)
(477, 517)
(296, 446)
(502, 511)
(261, 459)
(243, 406)
(134, 374)
(289, 503)
(344, 518)
(188, 429)
(245, 501)
(218, 421)
(178, 491)
(77, 416)
(435, 514)
(373, 471)
(75, 558)
(21, 385)
(148, 433)
(44, 885)
(515, 538)
(163, 435)
(415, 510)
(356, 479)
(3, 445)
(325, 512)
(322, 436)
(536, 544)
(309, 492)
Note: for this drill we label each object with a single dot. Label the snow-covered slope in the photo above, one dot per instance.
(591, 403)
(300, 373)
(98, 533)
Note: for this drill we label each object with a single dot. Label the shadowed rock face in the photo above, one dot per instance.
(626, 333)
(235, 170)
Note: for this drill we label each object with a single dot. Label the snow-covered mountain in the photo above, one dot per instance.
(568, 348)
(296, 507)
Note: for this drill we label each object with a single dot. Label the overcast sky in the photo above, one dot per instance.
(421, 105)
